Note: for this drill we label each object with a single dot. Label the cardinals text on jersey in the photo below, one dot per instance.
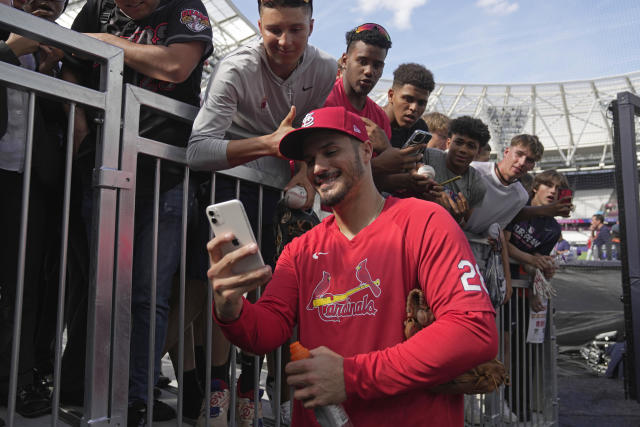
(356, 301)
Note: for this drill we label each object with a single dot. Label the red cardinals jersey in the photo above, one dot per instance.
(349, 295)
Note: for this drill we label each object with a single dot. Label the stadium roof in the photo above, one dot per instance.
(570, 118)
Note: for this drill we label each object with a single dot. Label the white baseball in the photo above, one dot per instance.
(427, 171)
(295, 197)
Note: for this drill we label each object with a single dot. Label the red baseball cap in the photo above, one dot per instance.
(332, 118)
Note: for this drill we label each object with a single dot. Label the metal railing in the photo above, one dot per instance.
(134, 145)
(107, 100)
(531, 399)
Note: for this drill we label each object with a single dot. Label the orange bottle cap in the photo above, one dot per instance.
(298, 351)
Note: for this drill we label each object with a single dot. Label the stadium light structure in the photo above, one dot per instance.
(505, 123)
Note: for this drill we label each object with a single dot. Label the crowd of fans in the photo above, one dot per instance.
(264, 89)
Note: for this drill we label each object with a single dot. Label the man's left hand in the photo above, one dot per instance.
(318, 380)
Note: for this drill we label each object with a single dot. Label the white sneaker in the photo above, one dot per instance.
(245, 409)
(217, 408)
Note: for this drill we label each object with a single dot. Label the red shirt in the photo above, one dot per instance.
(337, 97)
(349, 295)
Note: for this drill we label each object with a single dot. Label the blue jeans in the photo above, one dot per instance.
(169, 231)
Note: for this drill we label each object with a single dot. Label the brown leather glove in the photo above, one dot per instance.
(484, 378)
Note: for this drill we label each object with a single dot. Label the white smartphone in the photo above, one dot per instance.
(230, 217)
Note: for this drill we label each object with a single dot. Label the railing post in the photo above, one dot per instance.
(102, 248)
(625, 109)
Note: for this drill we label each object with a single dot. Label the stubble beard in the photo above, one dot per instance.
(338, 195)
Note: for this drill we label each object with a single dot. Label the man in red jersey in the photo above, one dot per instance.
(345, 282)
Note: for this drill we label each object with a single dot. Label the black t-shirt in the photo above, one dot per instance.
(536, 235)
(400, 135)
(174, 21)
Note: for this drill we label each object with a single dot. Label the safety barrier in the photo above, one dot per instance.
(531, 399)
(107, 100)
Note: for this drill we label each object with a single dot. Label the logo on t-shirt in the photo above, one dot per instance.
(354, 302)
(194, 20)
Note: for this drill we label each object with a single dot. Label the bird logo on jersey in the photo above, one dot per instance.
(195, 20)
(332, 307)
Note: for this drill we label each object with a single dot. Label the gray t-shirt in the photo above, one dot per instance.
(246, 98)
(471, 185)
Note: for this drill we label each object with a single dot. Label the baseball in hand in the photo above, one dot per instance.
(427, 171)
(295, 197)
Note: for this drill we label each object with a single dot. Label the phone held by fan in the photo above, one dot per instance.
(567, 194)
(418, 137)
(230, 217)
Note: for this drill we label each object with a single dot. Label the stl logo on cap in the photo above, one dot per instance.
(308, 120)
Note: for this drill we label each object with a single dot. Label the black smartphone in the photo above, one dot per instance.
(418, 137)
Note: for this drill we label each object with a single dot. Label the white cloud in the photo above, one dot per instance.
(497, 7)
(401, 9)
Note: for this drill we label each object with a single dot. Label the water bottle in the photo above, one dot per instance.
(327, 416)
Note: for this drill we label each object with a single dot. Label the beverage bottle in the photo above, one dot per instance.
(327, 416)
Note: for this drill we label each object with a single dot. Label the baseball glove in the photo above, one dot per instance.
(484, 378)
(290, 223)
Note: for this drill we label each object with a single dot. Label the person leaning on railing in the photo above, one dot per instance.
(165, 44)
(33, 396)
(530, 243)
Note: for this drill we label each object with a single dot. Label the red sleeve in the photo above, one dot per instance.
(268, 323)
(464, 333)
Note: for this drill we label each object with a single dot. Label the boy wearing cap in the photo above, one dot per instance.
(343, 286)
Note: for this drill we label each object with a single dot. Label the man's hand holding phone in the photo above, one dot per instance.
(394, 160)
(228, 287)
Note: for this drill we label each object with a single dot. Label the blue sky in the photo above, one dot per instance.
(491, 41)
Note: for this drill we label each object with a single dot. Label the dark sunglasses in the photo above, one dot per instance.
(372, 27)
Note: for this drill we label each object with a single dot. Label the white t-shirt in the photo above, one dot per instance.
(501, 202)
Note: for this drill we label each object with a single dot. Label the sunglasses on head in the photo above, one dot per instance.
(372, 27)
